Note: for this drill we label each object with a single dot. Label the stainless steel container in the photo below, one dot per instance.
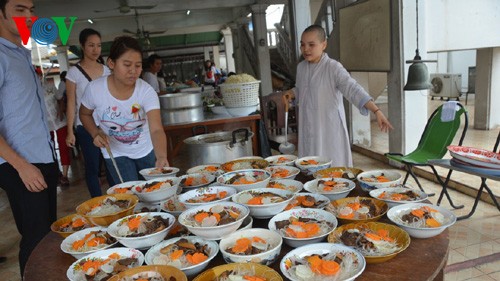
(184, 115)
(180, 100)
(219, 147)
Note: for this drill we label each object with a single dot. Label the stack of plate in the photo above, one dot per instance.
(475, 159)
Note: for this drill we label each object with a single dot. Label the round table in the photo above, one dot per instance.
(424, 259)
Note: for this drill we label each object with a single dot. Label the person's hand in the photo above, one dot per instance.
(162, 162)
(70, 140)
(32, 177)
(287, 97)
(101, 140)
(382, 121)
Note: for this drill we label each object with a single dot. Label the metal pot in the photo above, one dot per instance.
(219, 147)
(185, 115)
(180, 100)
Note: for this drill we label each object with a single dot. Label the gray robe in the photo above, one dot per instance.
(321, 116)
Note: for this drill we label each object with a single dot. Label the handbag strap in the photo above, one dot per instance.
(83, 72)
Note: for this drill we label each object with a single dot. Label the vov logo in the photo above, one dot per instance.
(44, 30)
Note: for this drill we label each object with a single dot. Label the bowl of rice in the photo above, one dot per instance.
(142, 230)
(157, 190)
(333, 188)
(300, 227)
(214, 221)
(153, 173)
(279, 160)
(103, 210)
(322, 261)
(191, 254)
(421, 220)
(311, 164)
(87, 241)
(245, 179)
(150, 273)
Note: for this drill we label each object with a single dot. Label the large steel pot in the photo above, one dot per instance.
(185, 115)
(219, 147)
(180, 100)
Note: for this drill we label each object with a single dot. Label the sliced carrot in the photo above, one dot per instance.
(383, 232)
(315, 263)
(257, 200)
(217, 216)
(78, 223)
(197, 258)
(200, 216)
(373, 236)
(336, 174)
(233, 214)
(114, 256)
(78, 244)
(176, 254)
(222, 194)
(418, 213)
(189, 181)
(429, 209)
(308, 202)
(348, 216)
(311, 229)
(382, 195)
(258, 239)
(354, 206)
(329, 267)
(397, 197)
(432, 222)
(383, 178)
(254, 278)
(209, 197)
(211, 168)
(96, 241)
(241, 245)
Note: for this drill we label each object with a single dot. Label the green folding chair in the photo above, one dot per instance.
(433, 144)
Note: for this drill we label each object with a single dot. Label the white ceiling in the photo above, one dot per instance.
(168, 15)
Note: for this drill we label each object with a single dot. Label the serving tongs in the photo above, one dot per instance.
(114, 163)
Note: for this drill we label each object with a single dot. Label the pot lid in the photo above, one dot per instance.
(219, 137)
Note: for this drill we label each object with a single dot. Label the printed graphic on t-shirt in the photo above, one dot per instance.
(123, 129)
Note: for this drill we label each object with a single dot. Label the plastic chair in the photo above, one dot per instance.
(433, 144)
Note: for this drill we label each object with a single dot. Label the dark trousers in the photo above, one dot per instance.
(33, 212)
(91, 158)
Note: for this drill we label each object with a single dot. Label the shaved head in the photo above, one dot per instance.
(319, 30)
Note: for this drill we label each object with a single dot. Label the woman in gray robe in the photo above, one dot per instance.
(320, 85)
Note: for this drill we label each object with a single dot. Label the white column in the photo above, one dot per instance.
(487, 89)
(260, 45)
(206, 53)
(360, 125)
(62, 58)
(215, 52)
(300, 19)
(228, 46)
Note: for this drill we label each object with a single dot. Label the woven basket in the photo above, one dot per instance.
(241, 94)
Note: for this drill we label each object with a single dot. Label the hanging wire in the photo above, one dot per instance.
(417, 24)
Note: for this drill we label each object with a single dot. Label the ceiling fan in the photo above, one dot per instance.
(125, 8)
(142, 34)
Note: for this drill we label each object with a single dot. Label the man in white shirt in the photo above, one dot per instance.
(155, 64)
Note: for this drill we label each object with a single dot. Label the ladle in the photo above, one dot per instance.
(286, 147)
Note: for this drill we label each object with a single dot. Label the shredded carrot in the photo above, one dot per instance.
(211, 168)
(311, 229)
(397, 197)
(354, 206)
(217, 216)
(254, 278)
(121, 190)
(78, 244)
(209, 197)
(222, 194)
(383, 178)
(133, 223)
(96, 241)
(382, 195)
(176, 254)
(373, 236)
(189, 181)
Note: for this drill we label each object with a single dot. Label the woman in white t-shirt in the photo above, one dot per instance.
(128, 114)
(77, 79)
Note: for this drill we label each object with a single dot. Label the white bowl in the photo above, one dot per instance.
(192, 270)
(128, 185)
(376, 193)
(146, 173)
(173, 206)
(200, 180)
(143, 207)
(263, 176)
(312, 186)
(322, 249)
(213, 232)
(248, 158)
(310, 169)
(321, 199)
(104, 254)
(247, 223)
(241, 111)
(279, 160)
(66, 244)
(216, 171)
(274, 170)
(291, 185)
(219, 109)
(393, 176)
(157, 195)
(145, 241)
(200, 192)
(266, 258)
(266, 210)
(317, 214)
(396, 212)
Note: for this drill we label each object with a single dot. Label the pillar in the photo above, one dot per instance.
(215, 52)
(228, 46)
(206, 54)
(487, 89)
(300, 19)
(261, 48)
(237, 49)
(62, 58)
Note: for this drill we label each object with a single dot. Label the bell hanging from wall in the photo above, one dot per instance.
(418, 75)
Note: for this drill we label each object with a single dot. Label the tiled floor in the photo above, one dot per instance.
(474, 243)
